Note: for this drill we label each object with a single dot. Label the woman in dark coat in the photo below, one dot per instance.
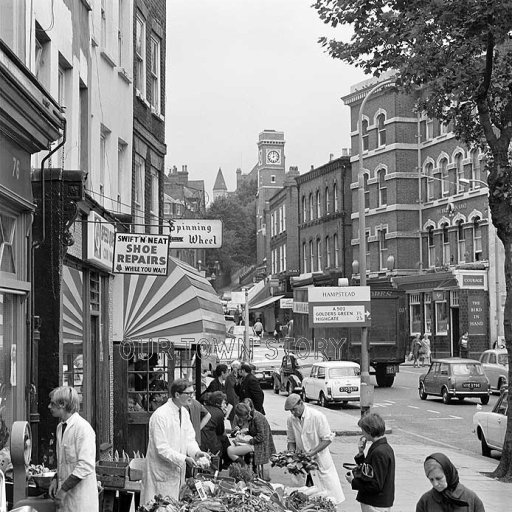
(213, 436)
(447, 493)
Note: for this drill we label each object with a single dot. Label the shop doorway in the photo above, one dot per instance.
(454, 332)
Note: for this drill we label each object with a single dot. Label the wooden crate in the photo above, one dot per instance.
(112, 474)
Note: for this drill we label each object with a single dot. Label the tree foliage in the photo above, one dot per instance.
(238, 214)
(459, 52)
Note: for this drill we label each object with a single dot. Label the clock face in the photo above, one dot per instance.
(273, 157)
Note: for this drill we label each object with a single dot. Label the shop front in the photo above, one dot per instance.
(164, 328)
(30, 120)
(447, 304)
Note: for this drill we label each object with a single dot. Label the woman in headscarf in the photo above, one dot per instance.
(447, 493)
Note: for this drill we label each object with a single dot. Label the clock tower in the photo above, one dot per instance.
(271, 175)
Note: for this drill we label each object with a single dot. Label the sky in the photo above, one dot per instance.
(238, 67)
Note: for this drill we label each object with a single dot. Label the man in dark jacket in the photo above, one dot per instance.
(250, 388)
(374, 478)
(219, 382)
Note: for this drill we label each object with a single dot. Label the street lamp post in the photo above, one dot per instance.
(366, 398)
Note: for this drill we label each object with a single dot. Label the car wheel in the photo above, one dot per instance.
(304, 396)
(422, 393)
(344, 404)
(461, 398)
(486, 451)
(446, 396)
(484, 399)
(322, 402)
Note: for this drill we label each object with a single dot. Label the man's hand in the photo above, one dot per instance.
(349, 476)
(59, 497)
(52, 491)
(190, 462)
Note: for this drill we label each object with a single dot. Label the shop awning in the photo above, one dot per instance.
(266, 302)
(181, 307)
(426, 281)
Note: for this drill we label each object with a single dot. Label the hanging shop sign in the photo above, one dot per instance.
(100, 241)
(195, 234)
(141, 254)
(286, 303)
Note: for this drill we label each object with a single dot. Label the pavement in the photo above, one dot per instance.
(410, 480)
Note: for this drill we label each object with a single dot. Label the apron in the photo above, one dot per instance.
(326, 476)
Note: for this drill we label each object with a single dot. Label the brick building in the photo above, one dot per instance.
(427, 220)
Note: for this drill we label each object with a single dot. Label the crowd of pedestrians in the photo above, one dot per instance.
(185, 432)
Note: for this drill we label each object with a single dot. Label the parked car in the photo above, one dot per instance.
(264, 369)
(455, 377)
(333, 382)
(294, 367)
(490, 426)
(495, 365)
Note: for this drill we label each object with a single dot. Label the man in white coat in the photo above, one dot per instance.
(74, 487)
(172, 445)
(309, 432)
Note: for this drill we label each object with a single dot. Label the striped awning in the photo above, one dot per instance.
(182, 307)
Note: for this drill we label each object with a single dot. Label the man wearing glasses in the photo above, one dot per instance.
(309, 432)
(172, 444)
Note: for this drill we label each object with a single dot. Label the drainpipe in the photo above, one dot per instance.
(38, 244)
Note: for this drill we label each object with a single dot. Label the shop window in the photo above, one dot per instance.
(7, 352)
(441, 318)
(415, 313)
(428, 313)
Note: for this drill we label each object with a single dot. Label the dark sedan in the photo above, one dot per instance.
(455, 377)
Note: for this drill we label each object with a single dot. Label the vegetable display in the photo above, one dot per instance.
(297, 463)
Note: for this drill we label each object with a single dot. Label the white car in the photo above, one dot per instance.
(333, 382)
(495, 365)
(490, 427)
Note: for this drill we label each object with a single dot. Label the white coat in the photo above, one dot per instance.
(76, 455)
(169, 444)
(307, 433)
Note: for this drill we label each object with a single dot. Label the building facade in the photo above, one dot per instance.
(427, 219)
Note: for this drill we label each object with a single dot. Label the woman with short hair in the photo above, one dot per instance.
(257, 439)
(213, 435)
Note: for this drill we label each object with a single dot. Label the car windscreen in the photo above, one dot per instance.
(503, 359)
(467, 370)
(350, 371)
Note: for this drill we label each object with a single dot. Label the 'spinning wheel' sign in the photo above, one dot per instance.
(347, 306)
(141, 254)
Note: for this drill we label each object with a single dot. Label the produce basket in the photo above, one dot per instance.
(112, 474)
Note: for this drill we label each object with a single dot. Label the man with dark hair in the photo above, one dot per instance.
(374, 478)
(219, 382)
(250, 388)
(172, 444)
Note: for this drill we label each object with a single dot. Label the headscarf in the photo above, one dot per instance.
(452, 479)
